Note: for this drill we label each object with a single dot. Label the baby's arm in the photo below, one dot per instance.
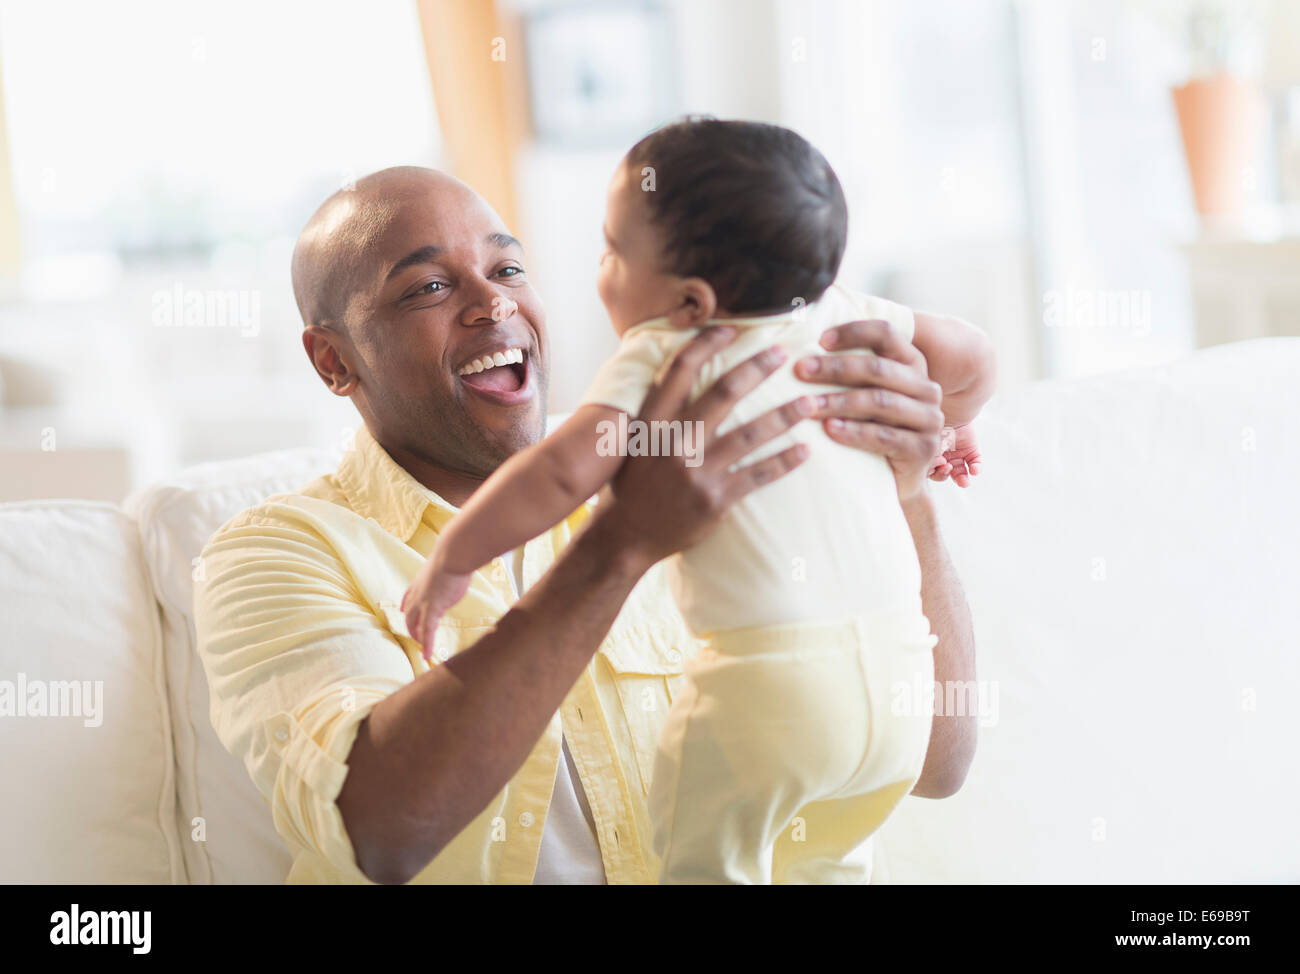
(533, 490)
(960, 358)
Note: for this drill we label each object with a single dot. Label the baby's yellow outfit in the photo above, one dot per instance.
(807, 712)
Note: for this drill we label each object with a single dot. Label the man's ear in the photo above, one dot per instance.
(329, 355)
(696, 305)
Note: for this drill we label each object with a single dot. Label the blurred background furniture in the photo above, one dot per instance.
(48, 449)
(1128, 554)
(1244, 287)
(998, 156)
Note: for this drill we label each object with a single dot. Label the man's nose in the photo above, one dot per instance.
(488, 305)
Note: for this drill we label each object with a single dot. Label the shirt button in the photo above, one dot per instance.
(282, 734)
(674, 656)
(525, 819)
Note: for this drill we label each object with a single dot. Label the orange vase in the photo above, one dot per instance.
(1219, 118)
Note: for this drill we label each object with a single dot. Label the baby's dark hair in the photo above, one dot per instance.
(751, 208)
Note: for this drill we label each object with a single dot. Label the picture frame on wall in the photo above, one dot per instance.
(599, 73)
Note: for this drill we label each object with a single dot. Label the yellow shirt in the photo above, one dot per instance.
(300, 634)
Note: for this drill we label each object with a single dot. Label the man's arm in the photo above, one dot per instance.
(894, 410)
(952, 737)
(403, 800)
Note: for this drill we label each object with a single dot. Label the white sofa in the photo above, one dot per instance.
(1129, 556)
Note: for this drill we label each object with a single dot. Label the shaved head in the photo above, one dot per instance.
(331, 248)
(413, 292)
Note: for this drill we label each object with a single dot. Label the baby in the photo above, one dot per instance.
(806, 598)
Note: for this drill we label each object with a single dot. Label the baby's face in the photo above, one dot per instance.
(631, 285)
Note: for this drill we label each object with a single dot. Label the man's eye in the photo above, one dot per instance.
(513, 271)
(427, 289)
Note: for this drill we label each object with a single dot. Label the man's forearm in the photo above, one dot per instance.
(952, 737)
(406, 797)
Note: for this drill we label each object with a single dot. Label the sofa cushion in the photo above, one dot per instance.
(1128, 554)
(224, 822)
(85, 733)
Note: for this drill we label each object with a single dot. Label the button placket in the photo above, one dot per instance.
(441, 638)
(601, 775)
(528, 795)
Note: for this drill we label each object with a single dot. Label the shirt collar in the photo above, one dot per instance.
(757, 321)
(379, 489)
(741, 321)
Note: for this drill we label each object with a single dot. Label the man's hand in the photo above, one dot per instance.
(661, 505)
(959, 455)
(894, 409)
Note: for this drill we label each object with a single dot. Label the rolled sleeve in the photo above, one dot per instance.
(296, 659)
(311, 773)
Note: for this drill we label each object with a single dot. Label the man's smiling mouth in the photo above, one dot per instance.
(502, 375)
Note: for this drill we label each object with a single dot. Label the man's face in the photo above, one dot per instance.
(444, 292)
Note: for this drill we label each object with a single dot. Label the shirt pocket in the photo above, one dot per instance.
(452, 636)
(648, 676)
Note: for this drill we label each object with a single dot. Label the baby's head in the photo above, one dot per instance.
(708, 217)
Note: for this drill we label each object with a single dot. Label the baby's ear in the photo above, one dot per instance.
(697, 303)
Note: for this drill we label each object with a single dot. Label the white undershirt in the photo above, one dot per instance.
(569, 853)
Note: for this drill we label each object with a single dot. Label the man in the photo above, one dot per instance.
(523, 753)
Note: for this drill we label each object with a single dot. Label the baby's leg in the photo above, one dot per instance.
(769, 721)
(817, 847)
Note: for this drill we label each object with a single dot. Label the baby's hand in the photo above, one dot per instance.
(432, 592)
(959, 455)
